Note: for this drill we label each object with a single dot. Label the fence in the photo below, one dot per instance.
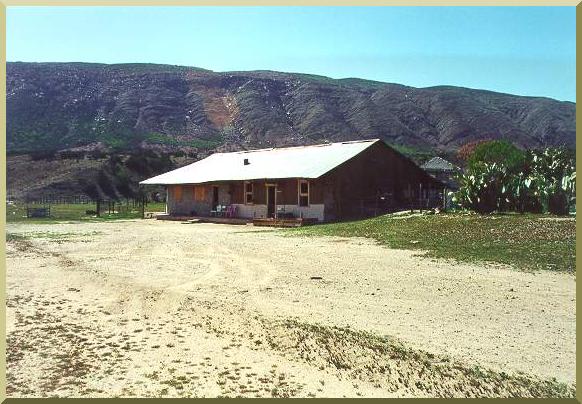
(80, 207)
(60, 200)
(386, 203)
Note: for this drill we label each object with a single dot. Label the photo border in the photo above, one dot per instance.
(246, 3)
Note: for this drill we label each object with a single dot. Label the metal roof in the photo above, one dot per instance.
(438, 164)
(287, 162)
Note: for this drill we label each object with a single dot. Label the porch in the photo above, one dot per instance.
(205, 219)
(257, 199)
(271, 222)
(288, 222)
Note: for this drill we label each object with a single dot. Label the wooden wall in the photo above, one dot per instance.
(287, 195)
(354, 187)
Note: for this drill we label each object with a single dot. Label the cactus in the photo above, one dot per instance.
(545, 182)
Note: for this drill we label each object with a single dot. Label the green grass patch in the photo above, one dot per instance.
(16, 212)
(527, 242)
(156, 207)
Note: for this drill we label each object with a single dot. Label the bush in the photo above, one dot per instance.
(147, 163)
(72, 155)
(43, 155)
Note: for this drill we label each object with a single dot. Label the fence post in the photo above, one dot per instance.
(444, 199)
(143, 207)
(98, 207)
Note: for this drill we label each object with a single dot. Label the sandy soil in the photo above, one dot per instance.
(151, 308)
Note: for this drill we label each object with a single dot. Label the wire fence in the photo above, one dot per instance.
(81, 208)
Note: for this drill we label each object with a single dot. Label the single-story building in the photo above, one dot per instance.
(443, 171)
(329, 181)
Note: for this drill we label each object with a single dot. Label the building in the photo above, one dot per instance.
(325, 182)
(442, 170)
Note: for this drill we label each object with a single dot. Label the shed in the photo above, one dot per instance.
(442, 170)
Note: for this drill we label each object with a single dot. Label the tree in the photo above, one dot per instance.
(500, 152)
(467, 149)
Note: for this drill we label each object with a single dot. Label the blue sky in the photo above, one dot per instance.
(519, 50)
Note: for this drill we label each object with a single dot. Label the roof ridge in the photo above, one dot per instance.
(301, 146)
(359, 141)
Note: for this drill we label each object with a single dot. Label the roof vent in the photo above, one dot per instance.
(247, 162)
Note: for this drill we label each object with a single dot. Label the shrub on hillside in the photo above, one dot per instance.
(43, 155)
(147, 162)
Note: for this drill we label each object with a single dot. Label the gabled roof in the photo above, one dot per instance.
(438, 164)
(288, 162)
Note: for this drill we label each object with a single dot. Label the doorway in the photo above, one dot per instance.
(214, 197)
(271, 200)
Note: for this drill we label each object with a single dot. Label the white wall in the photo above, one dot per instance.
(308, 212)
(260, 211)
(251, 211)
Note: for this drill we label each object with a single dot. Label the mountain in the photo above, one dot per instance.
(55, 106)
(128, 108)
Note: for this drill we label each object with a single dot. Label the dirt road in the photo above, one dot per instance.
(151, 308)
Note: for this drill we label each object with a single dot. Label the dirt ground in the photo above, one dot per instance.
(153, 308)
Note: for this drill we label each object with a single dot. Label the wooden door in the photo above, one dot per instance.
(214, 197)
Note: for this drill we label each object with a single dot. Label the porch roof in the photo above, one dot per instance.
(288, 162)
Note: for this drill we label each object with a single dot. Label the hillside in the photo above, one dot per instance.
(80, 107)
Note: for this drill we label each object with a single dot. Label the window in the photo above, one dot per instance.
(178, 193)
(248, 192)
(303, 193)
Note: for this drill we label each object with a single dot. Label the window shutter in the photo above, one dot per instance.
(200, 193)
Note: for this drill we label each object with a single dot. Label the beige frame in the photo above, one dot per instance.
(300, 194)
(252, 193)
